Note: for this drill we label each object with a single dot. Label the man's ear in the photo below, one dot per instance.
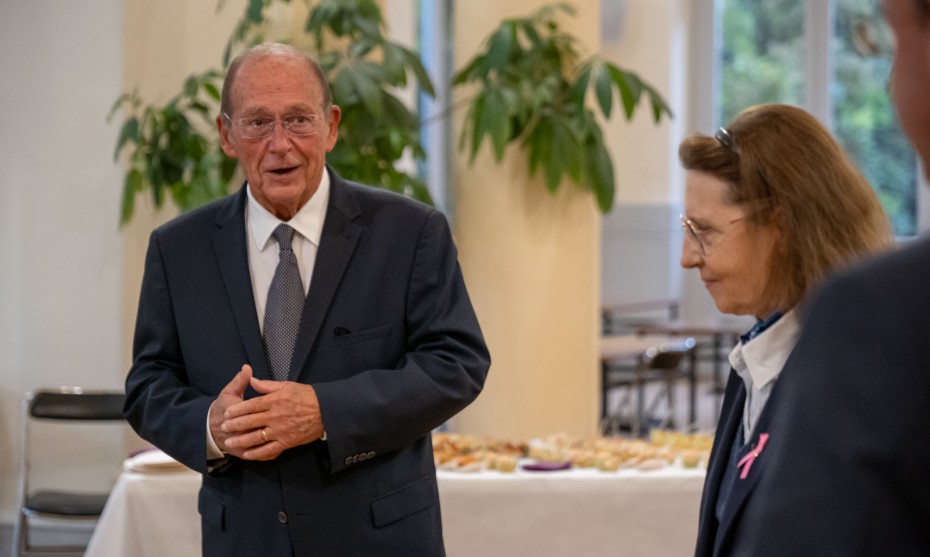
(332, 127)
(223, 127)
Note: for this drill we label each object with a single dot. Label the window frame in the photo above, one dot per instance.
(706, 42)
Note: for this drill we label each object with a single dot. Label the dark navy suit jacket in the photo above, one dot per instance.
(850, 444)
(716, 538)
(388, 339)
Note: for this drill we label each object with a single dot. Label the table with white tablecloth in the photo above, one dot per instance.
(576, 512)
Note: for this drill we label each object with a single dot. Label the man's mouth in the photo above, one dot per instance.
(282, 171)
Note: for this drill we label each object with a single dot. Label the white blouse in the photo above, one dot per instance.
(759, 362)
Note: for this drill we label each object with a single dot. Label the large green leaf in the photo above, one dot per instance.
(254, 11)
(499, 48)
(604, 91)
(414, 63)
(538, 142)
(132, 185)
(496, 122)
(368, 91)
(629, 86)
(600, 174)
(129, 132)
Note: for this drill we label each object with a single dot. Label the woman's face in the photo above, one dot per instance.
(733, 256)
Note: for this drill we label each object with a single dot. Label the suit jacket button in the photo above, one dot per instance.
(282, 517)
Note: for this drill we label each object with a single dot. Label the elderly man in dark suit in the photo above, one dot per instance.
(297, 341)
(848, 454)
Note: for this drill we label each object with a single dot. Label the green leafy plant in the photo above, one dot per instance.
(174, 150)
(533, 90)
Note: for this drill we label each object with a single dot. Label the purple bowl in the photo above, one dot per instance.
(547, 466)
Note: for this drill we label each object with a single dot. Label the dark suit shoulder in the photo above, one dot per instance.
(904, 267)
(371, 198)
(894, 282)
(196, 219)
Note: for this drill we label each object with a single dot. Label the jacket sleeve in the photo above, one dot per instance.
(161, 404)
(849, 473)
(442, 370)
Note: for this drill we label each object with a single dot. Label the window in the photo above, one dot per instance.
(833, 59)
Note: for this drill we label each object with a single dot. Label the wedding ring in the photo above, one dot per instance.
(265, 437)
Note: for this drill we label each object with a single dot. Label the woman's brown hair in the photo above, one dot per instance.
(786, 169)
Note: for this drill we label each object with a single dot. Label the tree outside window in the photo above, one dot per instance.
(763, 56)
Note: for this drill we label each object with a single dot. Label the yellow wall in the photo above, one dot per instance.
(649, 41)
(531, 262)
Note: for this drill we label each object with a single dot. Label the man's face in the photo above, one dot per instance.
(911, 74)
(283, 169)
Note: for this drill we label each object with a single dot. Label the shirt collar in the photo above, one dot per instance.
(308, 222)
(764, 357)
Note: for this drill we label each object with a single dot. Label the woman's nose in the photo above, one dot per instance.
(690, 255)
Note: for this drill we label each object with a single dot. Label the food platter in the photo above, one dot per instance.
(555, 453)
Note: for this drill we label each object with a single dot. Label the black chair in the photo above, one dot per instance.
(69, 406)
(660, 365)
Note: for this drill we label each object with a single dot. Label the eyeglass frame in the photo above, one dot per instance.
(314, 118)
(696, 236)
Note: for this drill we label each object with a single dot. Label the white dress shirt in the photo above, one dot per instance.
(760, 361)
(263, 248)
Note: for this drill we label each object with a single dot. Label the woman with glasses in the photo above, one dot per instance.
(772, 206)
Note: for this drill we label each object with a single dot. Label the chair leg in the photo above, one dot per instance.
(20, 535)
(670, 396)
(638, 411)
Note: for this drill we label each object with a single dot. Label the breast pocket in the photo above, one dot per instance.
(365, 335)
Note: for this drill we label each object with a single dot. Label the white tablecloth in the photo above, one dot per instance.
(577, 513)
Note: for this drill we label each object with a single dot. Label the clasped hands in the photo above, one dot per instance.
(287, 414)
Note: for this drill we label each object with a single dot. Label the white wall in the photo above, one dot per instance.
(61, 68)
(640, 236)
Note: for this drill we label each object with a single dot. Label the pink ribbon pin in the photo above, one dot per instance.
(746, 462)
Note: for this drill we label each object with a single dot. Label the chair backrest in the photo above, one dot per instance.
(667, 356)
(75, 404)
(44, 411)
(666, 359)
(64, 404)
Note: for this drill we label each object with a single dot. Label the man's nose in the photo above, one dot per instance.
(279, 138)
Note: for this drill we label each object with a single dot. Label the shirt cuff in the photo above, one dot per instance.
(213, 450)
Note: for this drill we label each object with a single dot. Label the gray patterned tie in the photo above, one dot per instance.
(285, 303)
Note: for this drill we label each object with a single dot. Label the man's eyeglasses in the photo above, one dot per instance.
(256, 127)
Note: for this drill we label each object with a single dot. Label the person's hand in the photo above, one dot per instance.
(232, 393)
(286, 415)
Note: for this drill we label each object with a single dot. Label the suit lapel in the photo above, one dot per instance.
(229, 243)
(744, 486)
(727, 429)
(337, 243)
